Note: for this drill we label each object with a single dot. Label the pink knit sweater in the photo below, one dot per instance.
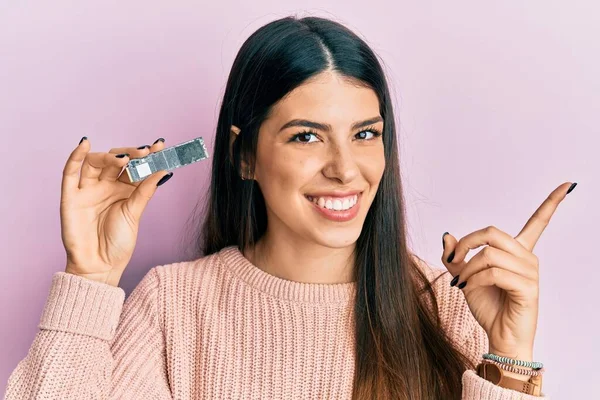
(214, 328)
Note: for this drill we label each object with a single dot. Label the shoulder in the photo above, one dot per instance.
(189, 272)
(455, 316)
(182, 288)
(182, 283)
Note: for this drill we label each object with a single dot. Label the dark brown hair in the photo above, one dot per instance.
(401, 350)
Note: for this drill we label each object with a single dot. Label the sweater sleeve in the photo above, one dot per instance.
(93, 344)
(477, 388)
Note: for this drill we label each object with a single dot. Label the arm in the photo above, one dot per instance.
(477, 388)
(92, 346)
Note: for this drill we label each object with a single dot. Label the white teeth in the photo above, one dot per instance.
(335, 204)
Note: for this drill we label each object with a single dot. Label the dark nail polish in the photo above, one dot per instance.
(571, 188)
(122, 155)
(143, 147)
(462, 285)
(159, 139)
(443, 243)
(164, 178)
(454, 281)
(451, 256)
(82, 139)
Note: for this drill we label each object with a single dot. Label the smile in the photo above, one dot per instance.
(336, 208)
(335, 203)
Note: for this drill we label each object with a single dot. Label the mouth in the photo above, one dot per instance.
(334, 203)
(336, 208)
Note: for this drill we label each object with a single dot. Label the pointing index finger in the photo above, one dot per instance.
(535, 226)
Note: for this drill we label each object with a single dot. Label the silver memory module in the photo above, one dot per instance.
(173, 157)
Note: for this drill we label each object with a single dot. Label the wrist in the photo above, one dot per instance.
(109, 278)
(525, 355)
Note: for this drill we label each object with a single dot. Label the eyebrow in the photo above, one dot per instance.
(326, 127)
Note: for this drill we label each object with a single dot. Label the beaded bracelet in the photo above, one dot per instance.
(512, 361)
(512, 368)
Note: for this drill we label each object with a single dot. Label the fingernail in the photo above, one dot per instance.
(164, 178)
(454, 281)
(143, 147)
(443, 243)
(82, 139)
(462, 285)
(451, 257)
(122, 155)
(571, 188)
(159, 139)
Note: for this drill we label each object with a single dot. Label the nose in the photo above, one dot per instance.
(341, 164)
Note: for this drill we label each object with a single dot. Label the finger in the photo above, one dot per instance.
(491, 236)
(449, 243)
(94, 163)
(124, 177)
(112, 173)
(518, 287)
(535, 226)
(137, 202)
(491, 257)
(70, 180)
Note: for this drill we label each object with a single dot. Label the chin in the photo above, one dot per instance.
(337, 239)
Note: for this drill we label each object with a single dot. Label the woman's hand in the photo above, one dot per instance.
(100, 209)
(500, 282)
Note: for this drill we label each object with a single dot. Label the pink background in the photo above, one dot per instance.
(498, 104)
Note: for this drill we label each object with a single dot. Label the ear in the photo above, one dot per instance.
(233, 133)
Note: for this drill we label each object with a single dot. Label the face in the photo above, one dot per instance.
(319, 181)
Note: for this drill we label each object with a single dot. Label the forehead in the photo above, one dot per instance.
(328, 98)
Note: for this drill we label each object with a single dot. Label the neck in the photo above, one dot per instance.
(300, 261)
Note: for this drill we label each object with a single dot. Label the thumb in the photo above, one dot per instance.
(140, 197)
(449, 244)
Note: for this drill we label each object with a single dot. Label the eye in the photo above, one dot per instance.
(364, 135)
(304, 136)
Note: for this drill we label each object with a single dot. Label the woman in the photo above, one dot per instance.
(305, 287)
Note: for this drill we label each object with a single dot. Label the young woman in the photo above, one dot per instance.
(305, 287)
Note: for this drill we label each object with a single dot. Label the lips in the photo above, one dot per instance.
(320, 205)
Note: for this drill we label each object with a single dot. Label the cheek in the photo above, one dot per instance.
(284, 176)
(372, 167)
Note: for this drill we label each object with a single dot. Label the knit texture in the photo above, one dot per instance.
(214, 328)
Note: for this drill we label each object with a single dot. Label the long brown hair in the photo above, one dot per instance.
(401, 350)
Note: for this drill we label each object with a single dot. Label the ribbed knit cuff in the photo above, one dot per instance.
(80, 305)
(477, 388)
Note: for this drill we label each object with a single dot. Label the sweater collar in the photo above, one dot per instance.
(284, 289)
